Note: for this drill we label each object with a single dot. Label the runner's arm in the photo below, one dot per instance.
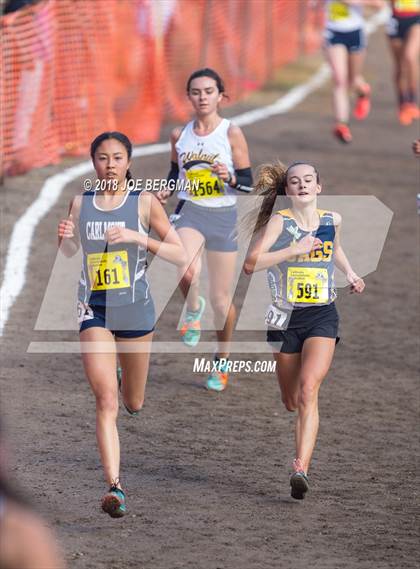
(260, 257)
(173, 173)
(169, 245)
(240, 156)
(242, 175)
(152, 215)
(341, 261)
(68, 229)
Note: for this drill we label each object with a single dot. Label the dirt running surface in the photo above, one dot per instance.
(207, 475)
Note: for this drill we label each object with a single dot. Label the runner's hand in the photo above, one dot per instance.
(357, 284)
(163, 195)
(66, 228)
(221, 171)
(116, 235)
(306, 245)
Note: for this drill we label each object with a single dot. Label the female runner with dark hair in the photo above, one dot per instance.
(211, 154)
(115, 307)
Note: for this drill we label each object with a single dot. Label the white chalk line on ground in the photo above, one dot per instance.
(14, 277)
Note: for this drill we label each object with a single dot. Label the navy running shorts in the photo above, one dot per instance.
(127, 321)
(216, 224)
(399, 27)
(304, 323)
(354, 41)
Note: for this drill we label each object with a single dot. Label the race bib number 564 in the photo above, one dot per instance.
(204, 184)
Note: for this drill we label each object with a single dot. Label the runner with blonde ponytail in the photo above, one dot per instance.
(299, 247)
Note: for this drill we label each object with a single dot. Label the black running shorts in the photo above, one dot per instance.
(304, 323)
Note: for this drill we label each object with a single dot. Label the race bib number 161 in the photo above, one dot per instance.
(108, 270)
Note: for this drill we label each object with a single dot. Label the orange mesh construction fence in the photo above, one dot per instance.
(73, 68)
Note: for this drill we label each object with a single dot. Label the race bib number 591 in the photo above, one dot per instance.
(308, 285)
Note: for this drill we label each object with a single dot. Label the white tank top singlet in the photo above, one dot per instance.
(340, 17)
(196, 154)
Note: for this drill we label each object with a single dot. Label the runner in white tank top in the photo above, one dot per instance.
(344, 16)
(212, 154)
(196, 156)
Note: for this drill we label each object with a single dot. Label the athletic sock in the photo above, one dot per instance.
(403, 98)
(221, 367)
(193, 313)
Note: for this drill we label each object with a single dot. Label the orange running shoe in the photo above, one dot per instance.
(362, 108)
(342, 133)
(415, 111)
(405, 114)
